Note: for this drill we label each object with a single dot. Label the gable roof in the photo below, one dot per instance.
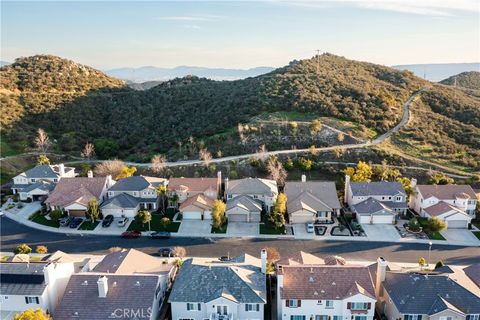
(193, 184)
(44, 185)
(122, 200)
(131, 261)
(441, 208)
(22, 278)
(371, 206)
(199, 201)
(81, 299)
(377, 188)
(136, 183)
(311, 194)
(252, 186)
(420, 294)
(245, 202)
(319, 282)
(473, 272)
(201, 280)
(77, 190)
(299, 258)
(447, 191)
(45, 171)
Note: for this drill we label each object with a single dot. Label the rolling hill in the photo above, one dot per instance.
(469, 80)
(76, 104)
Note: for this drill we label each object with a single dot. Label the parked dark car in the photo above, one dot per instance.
(131, 234)
(75, 223)
(166, 252)
(64, 222)
(107, 221)
(224, 258)
(160, 235)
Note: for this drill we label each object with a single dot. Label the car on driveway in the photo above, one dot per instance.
(75, 223)
(310, 228)
(122, 222)
(107, 221)
(166, 252)
(64, 222)
(160, 235)
(131, 234)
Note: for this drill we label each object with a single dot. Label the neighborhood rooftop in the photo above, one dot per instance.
(21, 278)
(136, 183)
(376, 188)
(449, 191)
(131, 261)
(77, 190)
(322, 191)
(252, 186)
(193, 184)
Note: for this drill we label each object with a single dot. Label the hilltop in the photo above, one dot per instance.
(76, 104)
(469, 80)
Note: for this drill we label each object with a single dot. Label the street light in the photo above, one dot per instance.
(429, 250)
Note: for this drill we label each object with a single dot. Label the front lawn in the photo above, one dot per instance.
(268, 228)
(40, 218)
(433, 235)
(222, 229)
(477, 234)
(155, 225)
(88, 225)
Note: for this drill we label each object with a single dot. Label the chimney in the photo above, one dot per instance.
(304, 178)
(347, 187)
(226, 186)
(413, 183)
(219, 182)
(61, 169)
(381, 271)
(110, 181)
(263, 257)
(90, 174)
(102, 287)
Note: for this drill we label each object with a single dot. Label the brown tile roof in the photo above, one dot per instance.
(300, 258)
(199, 201)
(448, 191)
(441, 208)
(473, 272)
(76, 190)
(317, 282)
(131, 261)
(193, 184)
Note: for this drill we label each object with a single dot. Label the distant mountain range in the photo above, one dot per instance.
(439, 71)
(4, 63)
(144, 74)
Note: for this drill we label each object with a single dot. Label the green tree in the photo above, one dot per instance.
(293, 128)
(165, 221)
(233, 174)
(84, 168)
(22, 248)
(439, 264)
(413, 224)
(106, 148)
(144, 216)
(218, 214)
(362, 173)
(315, 126)
(406, 184)
(93, 210)
(126, 172)
(422, 262)
(162, 191)
(440, 178)
(31, 314)
(56, 214)
(277, 219)
(42, 160)
(41, 249)
(288, 164)
(436, 225)
(305, 164)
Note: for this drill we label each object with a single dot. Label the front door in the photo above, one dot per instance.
(222, 310)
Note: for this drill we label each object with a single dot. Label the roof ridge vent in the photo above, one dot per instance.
(85, 283)
(137, 284)
(311, 279)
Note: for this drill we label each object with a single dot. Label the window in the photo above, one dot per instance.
(473, 317)
(321, 214)
(297, 317)
(359, 306)
(229, 196)
(398, 198)
(33, 180)
(255, 196)
(321, 317)
(412, 317)
(446, 318)
(294, 303)
(360, 317)
(337, 317)
(55, 180)
(252, 307)
(328, 303)
(383, 198)
(194, 307)
(30, 300)
(319, 302)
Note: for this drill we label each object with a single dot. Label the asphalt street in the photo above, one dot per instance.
(13, 234)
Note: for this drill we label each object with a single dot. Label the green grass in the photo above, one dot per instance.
(39, 218)
(9, 149)
(477, 234)
(222, 229)
(155, 225)
(433, 235)
(88, 225)
(267, 228)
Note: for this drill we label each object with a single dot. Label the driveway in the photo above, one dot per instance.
(300, 231)
(27, 210)
(381, 232)
(243, 229)
(460, 236)
(195, 227)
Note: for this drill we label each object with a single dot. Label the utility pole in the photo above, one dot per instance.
(318, 60)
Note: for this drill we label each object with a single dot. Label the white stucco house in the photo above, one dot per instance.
(454, 204)
(32, 285)
(39, 181)
(264, 190)
(244, 209)
(212, 289)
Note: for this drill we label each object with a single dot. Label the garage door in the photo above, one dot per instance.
(235, 217)
(382, 219)
(456, 224)
(76, 213)
(192, 215)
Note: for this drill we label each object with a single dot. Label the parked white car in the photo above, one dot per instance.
(310, 228)
(122, 222)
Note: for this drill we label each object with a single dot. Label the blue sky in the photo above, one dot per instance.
(241, 34)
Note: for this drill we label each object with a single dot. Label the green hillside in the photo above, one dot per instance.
(469, 80)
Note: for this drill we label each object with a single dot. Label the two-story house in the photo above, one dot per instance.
(452, 203)
(32, 285)
(263, 190)
(311, 201)
(375, 202)
(39, 181)
(420, 296)
(324, 292)
(220, 290)
(127, 196)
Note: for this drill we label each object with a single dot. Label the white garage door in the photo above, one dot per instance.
(192, 215)
(207, 215)
(236, 217)
(457, 224)
(377, 219)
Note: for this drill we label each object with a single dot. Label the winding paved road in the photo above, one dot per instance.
(14, 233)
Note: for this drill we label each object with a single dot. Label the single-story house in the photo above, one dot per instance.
(453, 216)
(243, 209)
(37, 191)
(198, 207)
(372, 211)
(122, 205)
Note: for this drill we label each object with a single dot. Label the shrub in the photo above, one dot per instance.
(439, 264)
(22, 248)
(413, 224)
(436, 225)
(179, 252)
(41, 249)
(56, 214)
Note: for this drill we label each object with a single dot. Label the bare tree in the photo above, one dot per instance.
(158, 163)
(205, 156)
(88, 151)
(241, 130)
(262, 153)
(42, 142)
(109, 167)
(179, 252)
(276, 170)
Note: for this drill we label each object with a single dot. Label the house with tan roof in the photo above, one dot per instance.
(244, 209)
(263, 190)
(73, 194)
(197, 207)
(184, 188)
(452, 203)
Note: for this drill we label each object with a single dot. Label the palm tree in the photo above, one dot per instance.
(161, 191)
(145, 217)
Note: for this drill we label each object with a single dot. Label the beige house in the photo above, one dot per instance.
(197, 207)
(188, 187)
(243, 209)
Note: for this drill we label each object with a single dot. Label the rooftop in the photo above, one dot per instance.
(252, 186)
(311, 194)
(193, 184)
(21, 278)
(77, 190)
(447, 192)
(377, 188)
(137, 183)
